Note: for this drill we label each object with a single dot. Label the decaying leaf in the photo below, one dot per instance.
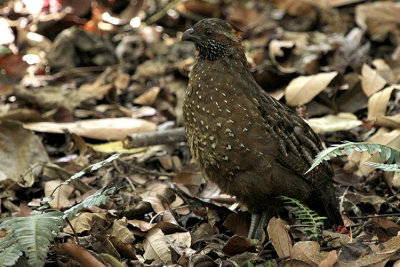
(21, 153)
(156, 247)
(278, 235)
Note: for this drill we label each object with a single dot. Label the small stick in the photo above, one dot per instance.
(154, 138)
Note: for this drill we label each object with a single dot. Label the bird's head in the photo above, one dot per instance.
(214, 38)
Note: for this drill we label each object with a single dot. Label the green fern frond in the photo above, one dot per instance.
(96, 199)
(31, 235)
(386, 153)
(383, 166)
(77, 175)
(309, 218)
(10, 255)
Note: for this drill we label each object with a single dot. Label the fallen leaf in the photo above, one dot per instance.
(21, 153)
(61, 195)
(156, 247)
(279, 237)
(371, 81)
(102, 129)
(304, 88)
(377, 103)
(334, 123)
(379, 18)
(148, 97)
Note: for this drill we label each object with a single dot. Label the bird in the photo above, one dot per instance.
(248, 143)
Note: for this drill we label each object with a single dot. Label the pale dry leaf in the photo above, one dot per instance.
(334, 123)
(379, 18)
(156, 247)
(303, 89)
(392, 122)
(61, 195)
(101, 129)
(183, 239)
(120, 230)
(148, 97)
(377, 103)
(383, 69)
(279, 237)
(371, 81)
(142, 225)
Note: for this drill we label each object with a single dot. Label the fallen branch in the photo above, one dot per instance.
(154, 138)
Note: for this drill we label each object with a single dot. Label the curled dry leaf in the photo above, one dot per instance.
(371, 81)
(279, 237)
(102, 129)
(304, 88)
(156, 247)
(377, 103)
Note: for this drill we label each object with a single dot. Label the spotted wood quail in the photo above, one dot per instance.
(249, 144)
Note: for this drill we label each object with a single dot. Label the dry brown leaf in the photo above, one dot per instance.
(371, 81)
(21, 151)
(61, 196)
(148, 97)
(279, 237)
(330, 260)
(334, 123)
(120, 230)
(142, 225)
(304, 88)
(183, 239)
(83, 222)
(379, 18)
(102, 129)
(156, 247)
(306, 252)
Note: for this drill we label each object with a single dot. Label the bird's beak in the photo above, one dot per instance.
(190, 35)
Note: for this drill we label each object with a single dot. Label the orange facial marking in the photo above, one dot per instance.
(235, 32)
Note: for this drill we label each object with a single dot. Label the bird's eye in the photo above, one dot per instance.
(208, 32)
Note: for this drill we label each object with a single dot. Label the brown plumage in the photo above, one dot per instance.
(248, 143)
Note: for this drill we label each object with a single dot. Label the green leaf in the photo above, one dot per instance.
(386, 153)
(4, 50)
(32, 235)
(383, 166)
(10, 255)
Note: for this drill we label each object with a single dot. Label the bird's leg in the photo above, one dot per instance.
(265, 216)
(255, 218)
